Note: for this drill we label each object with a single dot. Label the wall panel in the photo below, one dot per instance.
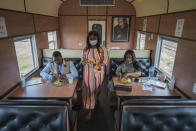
(185, 66)
(58, 39)
(45, 23)
(42, 43)
(9, 75)
(139, 23)
(97, 17)
(151, 44)
(153, 24)
(17, 23)
(73, 31)
(168, 24)
(97, 10)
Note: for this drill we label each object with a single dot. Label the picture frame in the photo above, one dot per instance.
(100, 27)
(120, 28)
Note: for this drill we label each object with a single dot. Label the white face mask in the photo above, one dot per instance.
(129, 62)
(93, 42)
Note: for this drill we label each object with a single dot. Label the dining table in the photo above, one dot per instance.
(137, 91)
(44, 91)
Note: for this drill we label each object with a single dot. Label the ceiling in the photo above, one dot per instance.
(143, 8)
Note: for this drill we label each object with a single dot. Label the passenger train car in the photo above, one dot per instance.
(161, 34)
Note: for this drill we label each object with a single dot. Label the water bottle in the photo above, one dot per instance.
(22, 80)
(151, 72)
(157, 76)
(171, 83)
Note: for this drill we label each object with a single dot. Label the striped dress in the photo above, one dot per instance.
(93, 78)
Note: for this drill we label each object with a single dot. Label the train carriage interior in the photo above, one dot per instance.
(89, 65)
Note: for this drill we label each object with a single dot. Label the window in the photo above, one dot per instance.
(26, 53)
(52, 40)
(165, 55)
(141, 37)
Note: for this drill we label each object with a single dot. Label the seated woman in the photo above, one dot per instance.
(58, 68)
(129, 67)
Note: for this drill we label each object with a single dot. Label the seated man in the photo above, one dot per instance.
(58, 68)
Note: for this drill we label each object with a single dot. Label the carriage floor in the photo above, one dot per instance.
(102, 118)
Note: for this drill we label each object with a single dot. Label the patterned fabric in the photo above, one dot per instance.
(93, 78)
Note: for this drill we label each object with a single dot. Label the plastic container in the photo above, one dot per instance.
(70, 79)
(171, 83)
(23, 80)
(151, 72)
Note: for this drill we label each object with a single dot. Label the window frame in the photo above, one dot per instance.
(34, 53)
(54, 39)
(138, 47)
(158, 53)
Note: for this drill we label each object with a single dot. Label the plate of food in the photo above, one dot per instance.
(89, 61)
(59, 82)
(126, 80)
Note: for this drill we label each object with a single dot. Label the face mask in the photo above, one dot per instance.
(93, 42)
(129, 62)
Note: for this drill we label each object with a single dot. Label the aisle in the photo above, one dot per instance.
(102, 118)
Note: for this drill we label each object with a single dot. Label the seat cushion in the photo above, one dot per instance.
(29, 115)
(159, 119)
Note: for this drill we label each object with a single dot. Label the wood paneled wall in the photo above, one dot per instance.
(74, 22)
(73, 31)
(168, 24)
(185, 64)
(45, 23)
(9, 75)
(18, 23)
(21, 24)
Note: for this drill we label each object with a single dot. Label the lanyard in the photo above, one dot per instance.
(59, 67)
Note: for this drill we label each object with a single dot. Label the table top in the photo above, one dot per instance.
(138, 92)
(44, 91)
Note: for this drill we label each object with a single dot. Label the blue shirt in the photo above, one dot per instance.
(47, 75)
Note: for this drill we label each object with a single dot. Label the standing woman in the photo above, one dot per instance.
(95, 59)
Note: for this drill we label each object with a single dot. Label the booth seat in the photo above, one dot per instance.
(156, 115)
(76, 61)
(117, 56)
(36, 116)
(69, 54)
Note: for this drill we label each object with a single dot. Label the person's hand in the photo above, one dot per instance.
(84, 59)
(126, 74)
(119, 36)
(54, 78)
(62, 77)
(119, 75)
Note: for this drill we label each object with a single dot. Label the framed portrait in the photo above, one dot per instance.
(100, 27)
(120, 28)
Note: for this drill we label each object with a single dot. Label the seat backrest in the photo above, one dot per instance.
(159, 115)
(34, 115)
